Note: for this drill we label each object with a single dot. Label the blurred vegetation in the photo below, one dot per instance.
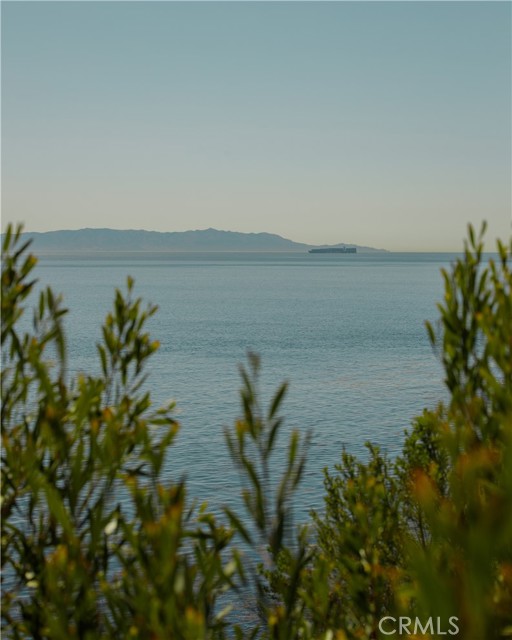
(97, 543)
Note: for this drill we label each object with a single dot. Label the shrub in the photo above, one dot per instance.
(430, 533)
(93, 539)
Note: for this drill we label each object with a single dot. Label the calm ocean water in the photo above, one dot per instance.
(347, 333)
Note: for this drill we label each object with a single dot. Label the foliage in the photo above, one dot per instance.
(92, 538)
(430, 534)
(98, 542)
(360, 543)
(251, 445)
(466, 568)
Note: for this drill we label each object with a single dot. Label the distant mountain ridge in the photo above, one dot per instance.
(109, 240)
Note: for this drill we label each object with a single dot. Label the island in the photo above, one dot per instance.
(126, 241)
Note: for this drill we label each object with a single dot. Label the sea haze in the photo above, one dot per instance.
(346, 331)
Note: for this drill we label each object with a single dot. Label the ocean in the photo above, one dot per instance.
(346, 331)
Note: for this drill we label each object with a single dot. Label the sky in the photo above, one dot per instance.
(385, 124)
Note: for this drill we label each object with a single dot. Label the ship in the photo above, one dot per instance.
(334, 250)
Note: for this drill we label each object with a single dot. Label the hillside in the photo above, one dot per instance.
(109, 240)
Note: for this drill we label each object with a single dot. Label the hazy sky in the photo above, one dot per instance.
(377, 123)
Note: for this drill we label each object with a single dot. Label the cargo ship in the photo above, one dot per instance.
(334, 250)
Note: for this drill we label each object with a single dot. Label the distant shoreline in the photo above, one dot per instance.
(199, 240)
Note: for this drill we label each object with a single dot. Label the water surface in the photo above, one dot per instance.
(346, 331)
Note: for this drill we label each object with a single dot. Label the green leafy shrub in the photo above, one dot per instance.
(78, 562)
(465, 570)
(429, 535)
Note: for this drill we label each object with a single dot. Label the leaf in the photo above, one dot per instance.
(237, 524)
(276, 402)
